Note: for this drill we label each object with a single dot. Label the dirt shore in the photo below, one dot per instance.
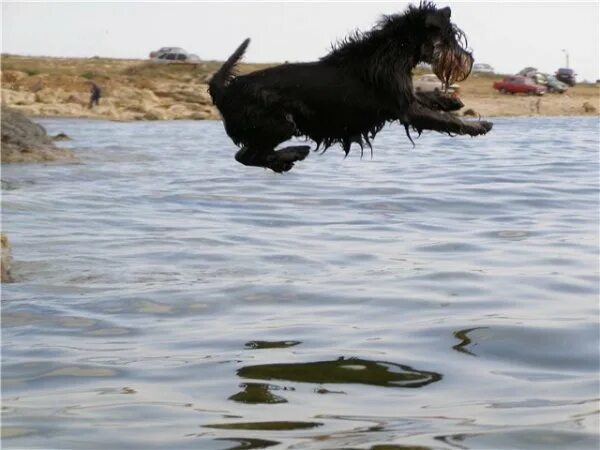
(143, 90)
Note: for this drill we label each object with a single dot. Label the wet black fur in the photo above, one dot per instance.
(347, 96)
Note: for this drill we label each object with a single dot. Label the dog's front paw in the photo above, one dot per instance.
(486, 126)
(479, 128)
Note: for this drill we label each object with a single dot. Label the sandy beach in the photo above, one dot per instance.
(144, 90)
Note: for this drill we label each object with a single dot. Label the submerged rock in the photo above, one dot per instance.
(347, 371)
(5, 260)
(61, 137)
(25, 141)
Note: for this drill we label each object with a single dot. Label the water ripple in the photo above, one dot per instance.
(168, 297)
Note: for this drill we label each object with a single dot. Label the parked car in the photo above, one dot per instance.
(544, 79)
(538, 78)
(554, 85)
(519, 84)
(176, 57)
(173, 54)
(157, 53)
(528, 72)
(431, 83)
(482, 68)
(566, 76)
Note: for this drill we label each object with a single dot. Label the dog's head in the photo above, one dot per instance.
(444, 45)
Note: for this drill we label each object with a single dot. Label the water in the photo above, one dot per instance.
(438, 297)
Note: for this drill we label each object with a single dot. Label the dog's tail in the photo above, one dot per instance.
(220, 79)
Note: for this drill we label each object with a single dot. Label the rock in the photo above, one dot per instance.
(588, 107)
(61, 137)
(12, 97)
(7, 185)
(154, 114)
(6, 260)
(125, 96)
(11, 76)
(179, 111)
(79, 98)
(188, 94)
(51, 96)
(25, 141)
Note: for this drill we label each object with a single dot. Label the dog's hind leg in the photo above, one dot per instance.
(259, 149)
(292, 153)
(250, 156)
(279, 161)
(283, 160)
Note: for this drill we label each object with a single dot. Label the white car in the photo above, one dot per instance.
(482, 68)
(177, 57)
(431, 83)
(157, 53)
(173, 54)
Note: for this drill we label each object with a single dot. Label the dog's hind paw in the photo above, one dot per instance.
(293, 153)
(283, 160)
(485, 126)
(280, 166)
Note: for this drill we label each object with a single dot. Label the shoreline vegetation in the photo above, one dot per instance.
(145, 90)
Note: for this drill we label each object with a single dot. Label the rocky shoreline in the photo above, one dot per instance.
(57, 87)
(119, 103)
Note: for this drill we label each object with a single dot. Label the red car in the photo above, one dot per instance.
(518, 84)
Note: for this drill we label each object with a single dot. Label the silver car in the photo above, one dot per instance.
(173, 54)
(431, 83)
(482, 68)
(162, 50)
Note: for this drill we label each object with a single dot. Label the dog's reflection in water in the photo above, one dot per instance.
(348, 95)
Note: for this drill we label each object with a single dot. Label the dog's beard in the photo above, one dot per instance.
(451, 64)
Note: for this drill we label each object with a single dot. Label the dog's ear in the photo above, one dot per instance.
(438, 18)
(446, 12)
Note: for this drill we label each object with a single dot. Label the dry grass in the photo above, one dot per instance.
(92, 68)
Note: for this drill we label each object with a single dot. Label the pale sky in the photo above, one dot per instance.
(507, 35)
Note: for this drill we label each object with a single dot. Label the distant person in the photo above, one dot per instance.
(535, 105)
(95, 94)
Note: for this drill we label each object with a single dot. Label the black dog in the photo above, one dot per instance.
(348, 95)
